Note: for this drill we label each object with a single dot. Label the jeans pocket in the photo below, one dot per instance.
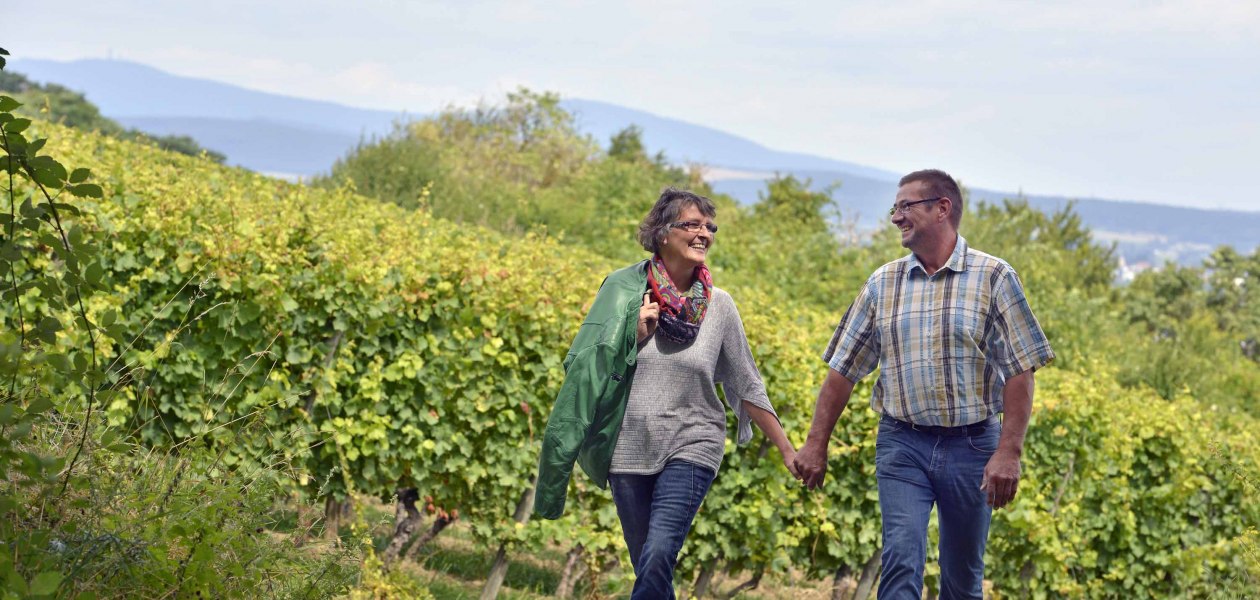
(986, 442)
(890, 424)
(701, 479)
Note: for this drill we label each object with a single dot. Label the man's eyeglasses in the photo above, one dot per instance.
(694, 226)
(905, 208)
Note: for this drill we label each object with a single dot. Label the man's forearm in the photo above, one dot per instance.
(833, 396)
(1017, 399)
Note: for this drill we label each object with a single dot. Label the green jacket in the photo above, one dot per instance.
(586, 418)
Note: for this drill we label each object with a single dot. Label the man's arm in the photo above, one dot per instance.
(811, 460)
(1001, 475)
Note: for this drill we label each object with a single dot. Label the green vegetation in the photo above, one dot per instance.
(229, 349)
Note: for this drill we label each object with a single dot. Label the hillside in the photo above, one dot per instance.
(295, 137)
(382, 351)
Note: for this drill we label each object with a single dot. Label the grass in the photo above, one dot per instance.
(454, 567)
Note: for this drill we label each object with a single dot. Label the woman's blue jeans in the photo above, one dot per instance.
(656, 513)
(916, 470)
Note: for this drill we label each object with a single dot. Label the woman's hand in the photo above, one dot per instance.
(789, 461)
(649, 313)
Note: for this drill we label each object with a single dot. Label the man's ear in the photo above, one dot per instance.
(948, 204)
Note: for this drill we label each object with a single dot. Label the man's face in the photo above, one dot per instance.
(918, 223)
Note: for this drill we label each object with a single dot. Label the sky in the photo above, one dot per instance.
(1151, 101)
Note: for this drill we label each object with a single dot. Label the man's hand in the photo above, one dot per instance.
(1001, 478)
(649, 313)
(811, 464)
(1001, 475)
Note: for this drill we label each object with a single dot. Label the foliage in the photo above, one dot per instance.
(146, 523)
(343, 326)
(380, 584)
(84, 511)
(1122, 501)
(381, 346)
(1197, 331)
(518, 168)
(790, 226)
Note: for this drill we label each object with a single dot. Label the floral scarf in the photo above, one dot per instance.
(681, 315)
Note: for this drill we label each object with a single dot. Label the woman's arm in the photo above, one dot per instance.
(769, 425)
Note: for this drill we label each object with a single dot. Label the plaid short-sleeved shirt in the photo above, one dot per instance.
(945, 343)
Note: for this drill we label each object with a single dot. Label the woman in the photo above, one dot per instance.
(655, 376)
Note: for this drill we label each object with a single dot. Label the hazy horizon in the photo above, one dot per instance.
(1149, 103)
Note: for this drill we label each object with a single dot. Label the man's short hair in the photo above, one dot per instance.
(939, 183)
(671, 204)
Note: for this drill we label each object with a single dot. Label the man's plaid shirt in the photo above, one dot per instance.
(946, 343)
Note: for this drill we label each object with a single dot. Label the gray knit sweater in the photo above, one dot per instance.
(673, 411)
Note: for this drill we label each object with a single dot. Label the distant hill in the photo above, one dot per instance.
(1146, 234)
(277, 148)
(136, 93)
(296, 137)
(124, 89)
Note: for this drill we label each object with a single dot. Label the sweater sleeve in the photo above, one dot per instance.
(738, 374)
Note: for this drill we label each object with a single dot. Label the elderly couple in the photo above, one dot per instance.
(948, 325)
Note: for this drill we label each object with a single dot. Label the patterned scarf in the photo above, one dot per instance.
(681, 315)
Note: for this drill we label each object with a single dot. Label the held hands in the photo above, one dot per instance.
(789, 461)
(649, 313)
(1001, 478)
(811, 464)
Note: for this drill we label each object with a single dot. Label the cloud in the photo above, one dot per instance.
(365, 83)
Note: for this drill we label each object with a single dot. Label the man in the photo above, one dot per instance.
(957, 344)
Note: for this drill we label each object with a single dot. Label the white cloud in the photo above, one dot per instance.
(368, 83)
(1125, 98)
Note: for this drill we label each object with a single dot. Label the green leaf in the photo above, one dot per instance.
(49, 165)
(45, 583)
(90, 190)
(94, 274)
(69, 209)
(39, 405)
(48, 178)
(79, 175)
(49, 323)
(36, 146)
(17, 125)
(17, 145)
(58, 361)
(7, 104)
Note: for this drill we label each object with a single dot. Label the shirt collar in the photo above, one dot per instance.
(957, 259)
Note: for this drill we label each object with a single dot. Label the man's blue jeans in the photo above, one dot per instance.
(916, 470)
(656, 513)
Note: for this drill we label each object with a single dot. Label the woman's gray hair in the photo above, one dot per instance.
(671, 204)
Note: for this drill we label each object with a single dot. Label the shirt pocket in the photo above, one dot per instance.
(969, 326)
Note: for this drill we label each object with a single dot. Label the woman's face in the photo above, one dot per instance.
(689, 248)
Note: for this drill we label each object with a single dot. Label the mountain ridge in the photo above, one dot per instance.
(299, 137)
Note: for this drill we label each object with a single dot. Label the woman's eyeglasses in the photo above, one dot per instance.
(694, 226)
